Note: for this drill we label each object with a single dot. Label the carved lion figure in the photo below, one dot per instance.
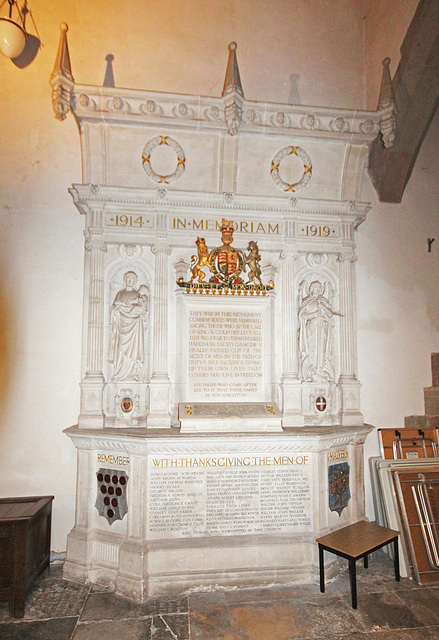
(200, 261)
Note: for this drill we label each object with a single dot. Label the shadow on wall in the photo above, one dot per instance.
(109, 74)
(29, 52)
(8, 343)
(294, 96)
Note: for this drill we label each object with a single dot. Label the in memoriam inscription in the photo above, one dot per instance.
(229, 495)
(225, 355)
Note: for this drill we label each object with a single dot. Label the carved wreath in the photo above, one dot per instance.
(307, 169)
(146, 159)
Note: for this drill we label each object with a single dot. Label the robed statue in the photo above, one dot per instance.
(316, 333)
(129, 321)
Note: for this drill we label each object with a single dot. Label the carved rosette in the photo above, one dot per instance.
(213, 114)
(253, 117)
(310, 122)
(151, 108)
(85, 102)
(280, 119)
(183, 111)
(118, 105)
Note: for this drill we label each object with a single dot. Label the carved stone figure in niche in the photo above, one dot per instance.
(129, 321)
(315, 333)
(252, 260)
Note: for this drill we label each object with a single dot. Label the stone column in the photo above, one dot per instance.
(348, 385)
(290, 383)
(92, 385)
(159, 415)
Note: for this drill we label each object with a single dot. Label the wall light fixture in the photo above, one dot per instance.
(12, 33)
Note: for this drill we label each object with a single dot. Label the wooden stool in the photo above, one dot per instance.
(25, 525)
(353, 542)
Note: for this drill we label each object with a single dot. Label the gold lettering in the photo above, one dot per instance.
(112, 459)
(215, 225)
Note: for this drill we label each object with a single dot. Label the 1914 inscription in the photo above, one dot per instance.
(230, 495)
(225, 355)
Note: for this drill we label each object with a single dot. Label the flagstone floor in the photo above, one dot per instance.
(387, 610)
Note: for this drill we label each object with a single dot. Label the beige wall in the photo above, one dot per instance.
(182, 47)
(398, 301)
(386, 21)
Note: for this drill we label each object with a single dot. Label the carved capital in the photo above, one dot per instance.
(160, 248)
(289, 255)
(95, 244)
(347, 257)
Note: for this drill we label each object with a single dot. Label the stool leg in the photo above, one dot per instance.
(322, 570)
(353, 577)
(396, 558)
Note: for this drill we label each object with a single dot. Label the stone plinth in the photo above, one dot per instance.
(186, 510)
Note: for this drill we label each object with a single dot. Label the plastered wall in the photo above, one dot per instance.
(306, 52)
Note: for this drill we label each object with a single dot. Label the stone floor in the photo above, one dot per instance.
(387, 610)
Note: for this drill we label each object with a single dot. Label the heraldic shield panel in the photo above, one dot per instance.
(111, 499)
(338, 482)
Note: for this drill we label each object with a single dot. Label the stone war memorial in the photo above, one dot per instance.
(220, 429)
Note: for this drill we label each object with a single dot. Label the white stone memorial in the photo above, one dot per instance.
(220, 430)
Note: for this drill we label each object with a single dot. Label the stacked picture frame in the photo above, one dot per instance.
(405, 485)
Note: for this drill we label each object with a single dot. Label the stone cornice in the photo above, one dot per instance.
(169, 442)
(134, 199)
(182, 111)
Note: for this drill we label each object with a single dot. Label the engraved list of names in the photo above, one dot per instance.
(229, 495)
(225, 355)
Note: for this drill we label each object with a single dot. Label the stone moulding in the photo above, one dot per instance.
(184, 111)
(86, 196)
(140, 443)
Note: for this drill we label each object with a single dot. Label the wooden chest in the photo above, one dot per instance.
(25, 527)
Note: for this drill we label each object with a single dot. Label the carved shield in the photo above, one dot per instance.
(227, 263)
(111, 499)
(338, 484)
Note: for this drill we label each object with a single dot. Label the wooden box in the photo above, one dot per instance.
(25, 527)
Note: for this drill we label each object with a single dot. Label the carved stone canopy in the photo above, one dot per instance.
(233, 113)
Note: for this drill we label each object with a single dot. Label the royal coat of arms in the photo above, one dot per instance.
(227, 265)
